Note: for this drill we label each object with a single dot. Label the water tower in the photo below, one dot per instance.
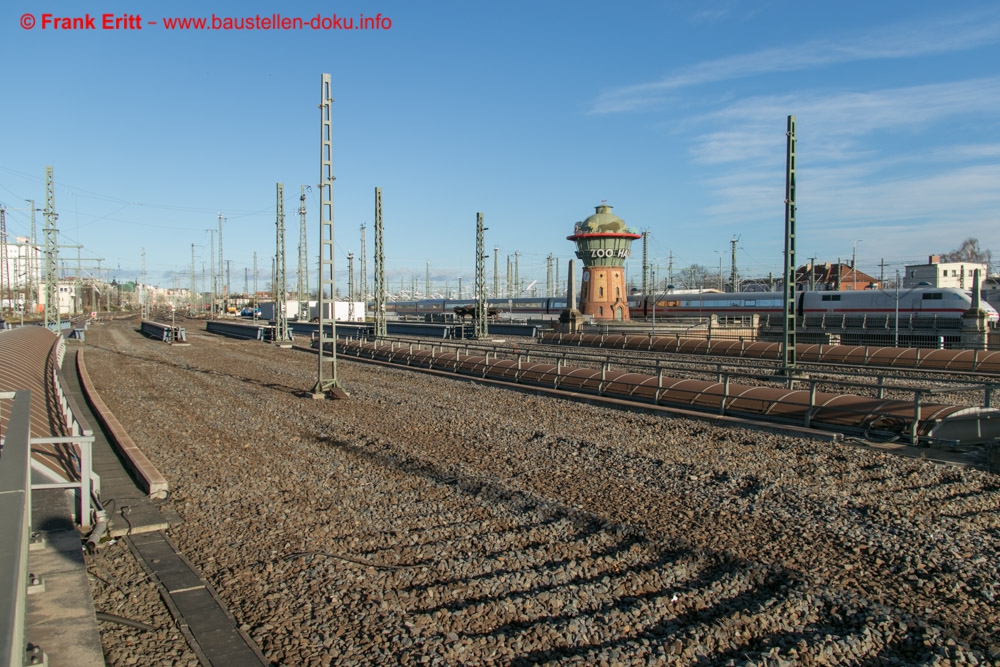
(603, 242)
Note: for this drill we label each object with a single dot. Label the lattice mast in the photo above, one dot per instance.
(496, 275)
(788, 326)
(5, 287)
(144, 293)
(645, 263)
(364, 270)
(380, 286)
(326, 379)
(223, 296)
(281, 332)
(302, 291)
(548, 276)
(194, 285)
(734, 278)
(255, 284)
(211, 270)
(350, 286)
(51, 255)
(482, 327)
(32, 261)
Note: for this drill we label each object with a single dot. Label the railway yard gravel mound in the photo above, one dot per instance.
(429, 521)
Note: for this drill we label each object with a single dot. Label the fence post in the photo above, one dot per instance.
(812, 403)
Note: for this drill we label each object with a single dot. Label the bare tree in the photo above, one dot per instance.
(969, 251)
(696, 276)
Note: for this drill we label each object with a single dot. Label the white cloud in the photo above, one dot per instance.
(898, 41)
(836, 125)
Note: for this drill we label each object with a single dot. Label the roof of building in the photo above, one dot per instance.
(834, 274)
(602, 222)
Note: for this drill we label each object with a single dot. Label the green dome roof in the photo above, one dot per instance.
(602, 222)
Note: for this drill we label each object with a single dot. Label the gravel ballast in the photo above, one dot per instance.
(433, 521)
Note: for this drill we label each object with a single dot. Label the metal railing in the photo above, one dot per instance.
(79, 440)
(912, 420)
(15, 525)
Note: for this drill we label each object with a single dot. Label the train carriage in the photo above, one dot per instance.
(940, 303)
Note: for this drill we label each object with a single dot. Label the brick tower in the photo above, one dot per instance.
(603, 242)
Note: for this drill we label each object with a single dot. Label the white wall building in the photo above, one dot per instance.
(24, 264)
(947, 274)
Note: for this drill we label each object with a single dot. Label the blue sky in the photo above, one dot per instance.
(533, 113)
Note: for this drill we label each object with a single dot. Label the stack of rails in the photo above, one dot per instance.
(844, 413)
(968, 361)
(264, 332)
(164, 332)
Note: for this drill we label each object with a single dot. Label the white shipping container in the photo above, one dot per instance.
(267, 309)
(342, 311)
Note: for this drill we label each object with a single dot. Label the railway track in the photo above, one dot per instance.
(493, 526)
(918, 420)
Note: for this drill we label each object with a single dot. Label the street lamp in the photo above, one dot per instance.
(722, 287)
(854, 264)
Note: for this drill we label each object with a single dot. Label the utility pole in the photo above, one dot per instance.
(645, 263)
(255, 284)
(670, 268)
(881, 275)
(548, 276)
(788, 327)
(77, 285)
(812, 274)
(302, 288)
(517, 274)
(33, 259)
(481, 327)
(228, 276)
(6, 293)
(854, 265)
(194, 287)
(144, 295)
(281, 332)
(364, 270)
(211, 271)
(326, 383)
(510, 276)
(350, 286)
(51, 255)
(222, 286)
(496, 275)
(427, 280)
(556, 291)
(733, 277)
(380, 285)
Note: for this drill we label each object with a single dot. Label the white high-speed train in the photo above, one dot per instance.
(945, 303)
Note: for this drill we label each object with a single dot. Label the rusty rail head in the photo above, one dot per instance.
(843, 412)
